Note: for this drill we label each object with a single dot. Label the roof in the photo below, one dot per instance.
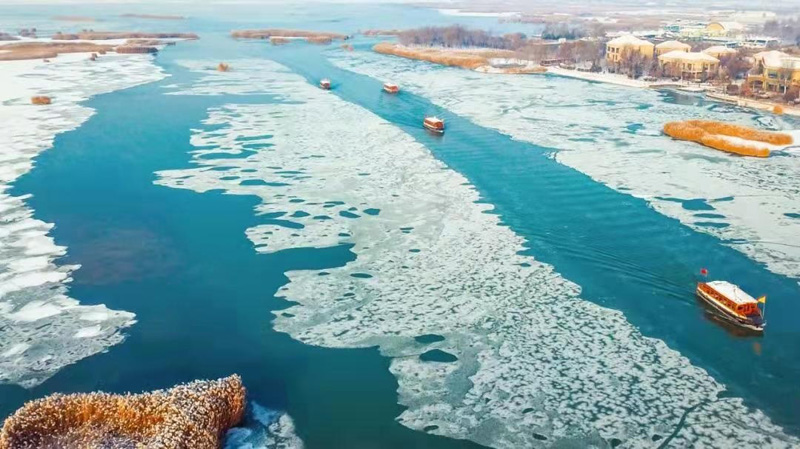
(628, 39)
(729, 26)
(732, 292)
(719, 50)
(673, 44)
(688, 56)
(775, 59)
(433, 119)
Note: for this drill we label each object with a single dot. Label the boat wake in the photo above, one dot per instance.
(486, 344)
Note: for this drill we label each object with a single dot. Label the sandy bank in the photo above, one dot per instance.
(191, 415)
(282, 36)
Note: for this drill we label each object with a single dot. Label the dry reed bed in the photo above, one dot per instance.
(282, 36)
(461, 59)
(40, 50)
(713, 134)
(194, 415)
(107, 35)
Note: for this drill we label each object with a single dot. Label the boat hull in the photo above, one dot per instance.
(728, 315)
(433, 128)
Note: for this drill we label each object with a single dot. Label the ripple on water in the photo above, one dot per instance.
(588, 121)
(532, 364)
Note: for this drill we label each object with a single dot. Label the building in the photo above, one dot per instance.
(759, 42)
(720, 51)
(689, 65)
(617, 47)
(774, 71)
(724, 29)
(668, 46)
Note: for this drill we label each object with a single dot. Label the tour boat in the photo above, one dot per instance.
(434, 124)
(391, 88)
(733, 303)
(325, 84)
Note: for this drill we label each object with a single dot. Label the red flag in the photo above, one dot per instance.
(704, 272)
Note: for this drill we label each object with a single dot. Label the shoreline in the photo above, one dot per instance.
(622, 80)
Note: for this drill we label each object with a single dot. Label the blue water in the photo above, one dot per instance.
(202, 296)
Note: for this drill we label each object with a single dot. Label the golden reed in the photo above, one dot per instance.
(193, 415)
(712, 134)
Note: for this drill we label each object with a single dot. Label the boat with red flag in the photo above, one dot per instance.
(733, 303)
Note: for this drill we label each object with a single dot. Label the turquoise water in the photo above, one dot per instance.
(202, 296)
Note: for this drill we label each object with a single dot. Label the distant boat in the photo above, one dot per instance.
(391, 88)
(733, 303)
(325, 83)
(434, 124)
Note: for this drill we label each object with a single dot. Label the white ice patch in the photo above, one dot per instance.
(266, 429)
(523, 362)
(613, 134)
(41, 328)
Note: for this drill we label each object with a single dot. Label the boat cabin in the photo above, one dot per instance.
(391, 88)
(325, 84)
(434, 124)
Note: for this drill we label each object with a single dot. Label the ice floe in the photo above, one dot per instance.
(264, 429)
(42, 329)
(486, 344)
(613, 134)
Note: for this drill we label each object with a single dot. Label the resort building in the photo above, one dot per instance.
(720, 51)
(760, 42)
(724, 29)
(615, 48)
(774, 71)
(668, 46)
(689, 65)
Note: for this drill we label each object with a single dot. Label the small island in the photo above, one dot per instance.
(736, 139)
(282, 36)
(131, 43)
(195, 415)
(91, 35)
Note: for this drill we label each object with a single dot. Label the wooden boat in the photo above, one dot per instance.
(325, 84)
(733, 303)
(391, 88)
(434, 124)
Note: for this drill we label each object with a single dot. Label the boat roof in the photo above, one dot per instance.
(731, 291)
(390, 84)
(433, 119)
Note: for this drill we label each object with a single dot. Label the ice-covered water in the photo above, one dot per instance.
(613, 134)
(486, 344)
(264, 429)
(43, 329)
